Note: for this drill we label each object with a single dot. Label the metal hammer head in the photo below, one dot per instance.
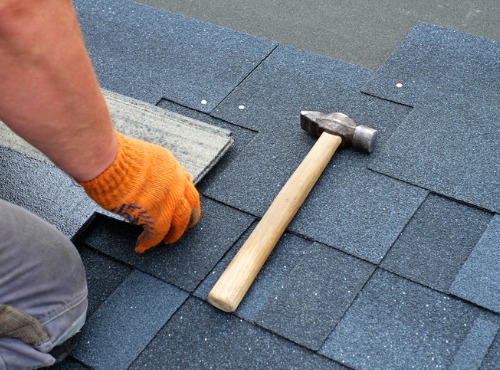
(359, 137)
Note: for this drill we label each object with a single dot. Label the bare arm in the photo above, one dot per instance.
(49, 93)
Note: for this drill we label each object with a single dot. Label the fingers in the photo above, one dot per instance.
(180, 221)
(146, 241)
(186, 214)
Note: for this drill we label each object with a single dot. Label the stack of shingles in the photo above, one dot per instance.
(391, 263)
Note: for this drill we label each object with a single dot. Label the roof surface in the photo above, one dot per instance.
(393, 260)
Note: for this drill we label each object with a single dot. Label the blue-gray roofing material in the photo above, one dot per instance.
(436, 63)
(449, 144)
(397, 324)
(184, 264)
(149, 54)
(434, 257)
(479, 279)
(200, 337)
(44, 190)
(397, 269)
(127, 334)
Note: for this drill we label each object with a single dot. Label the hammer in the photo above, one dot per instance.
(334, 130)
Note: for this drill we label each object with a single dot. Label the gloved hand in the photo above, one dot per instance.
(147, 186)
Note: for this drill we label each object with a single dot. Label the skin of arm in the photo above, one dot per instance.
(49, 94)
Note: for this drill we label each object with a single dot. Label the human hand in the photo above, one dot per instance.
(147, 186)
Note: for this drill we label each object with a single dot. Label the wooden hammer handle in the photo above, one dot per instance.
(233, 284)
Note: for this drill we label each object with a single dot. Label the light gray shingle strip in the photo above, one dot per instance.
(479, 279)
(195, 144)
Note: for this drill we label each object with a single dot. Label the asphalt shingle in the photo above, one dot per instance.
(45, 190)
(242, 136)
(185, 263)
(475, 345)
(273, 95)
(395, 323)
(145, 310)
(104, 275)
(285, 256)
(436, 63)
(449, 143)
(450, 148)
(200, 337)
(148, 54)
(127, 321)
(492, 358)
(479, 279)
(436, 242)
(314, 296)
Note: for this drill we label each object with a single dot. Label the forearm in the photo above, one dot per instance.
(49, 94)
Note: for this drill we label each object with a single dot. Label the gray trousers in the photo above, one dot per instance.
(43, 290)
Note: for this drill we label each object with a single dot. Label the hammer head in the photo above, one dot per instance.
(360, 137)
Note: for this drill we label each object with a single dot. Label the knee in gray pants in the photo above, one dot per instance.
(41, 276)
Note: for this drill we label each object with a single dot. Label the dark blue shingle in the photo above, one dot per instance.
(436, 242)
(201, 337)
(185, 263)
(479, 279)
(123, 325)
(395, 323)
(148, 54)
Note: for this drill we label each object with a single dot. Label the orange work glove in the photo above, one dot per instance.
(147, 186)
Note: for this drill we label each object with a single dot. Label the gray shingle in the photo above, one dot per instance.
(184, 263)
(475, 345)
(127, 321)
(45, 190)
(451, 149)
(356, 210)
(103, 274)
(291, 80)
(69, 364)
(285, 256)
(314, 296)
(200, 337)
(435, 63)
(148, 54)
(436, 242)
(479, 279)
(395, 323)
(449, 144)
(367, 220)
(492, 359)
(242, 136)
